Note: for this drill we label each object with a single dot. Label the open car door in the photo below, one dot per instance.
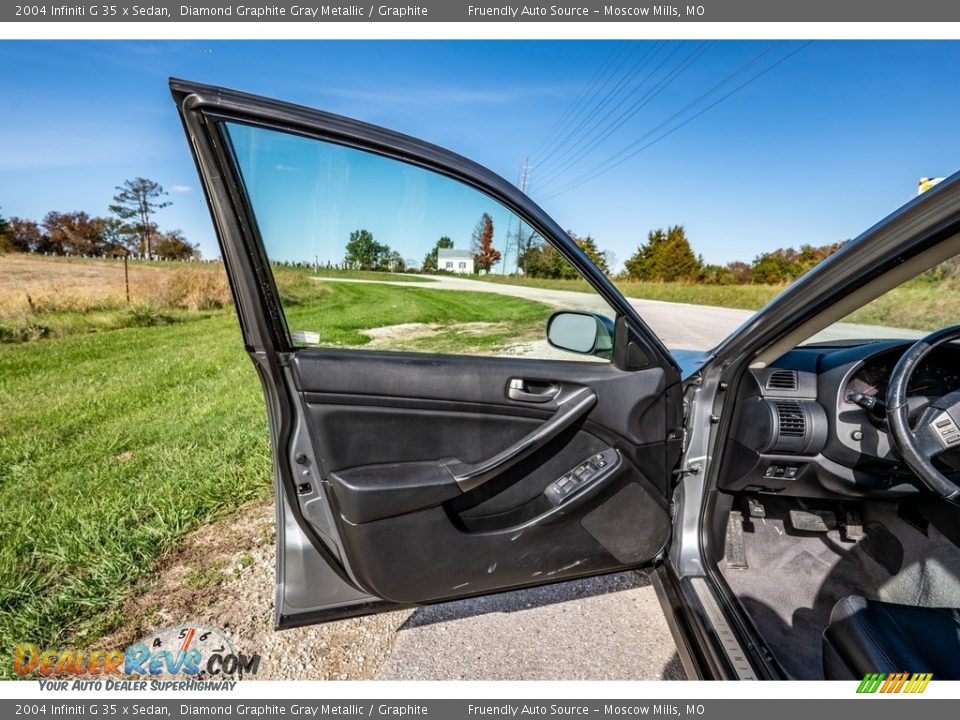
(406, 477)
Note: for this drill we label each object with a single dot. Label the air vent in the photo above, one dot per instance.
(793, 423)
(782, 380)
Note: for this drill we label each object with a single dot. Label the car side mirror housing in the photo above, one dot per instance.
(581, 332)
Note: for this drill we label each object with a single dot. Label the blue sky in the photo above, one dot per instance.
(814, 151)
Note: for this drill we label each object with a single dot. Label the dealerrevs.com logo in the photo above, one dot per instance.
(895, 683)
(189, 651)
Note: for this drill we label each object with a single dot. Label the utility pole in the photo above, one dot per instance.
(522, 184)
(525, 175)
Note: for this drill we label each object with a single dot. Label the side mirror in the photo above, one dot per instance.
(581, 332)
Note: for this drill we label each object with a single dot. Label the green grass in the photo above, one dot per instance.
(114, 445)
(744, 297)
(370, 275)
(37, 326)
(351, 307)
(917, 305)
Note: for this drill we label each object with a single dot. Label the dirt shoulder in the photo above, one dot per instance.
(223, 577)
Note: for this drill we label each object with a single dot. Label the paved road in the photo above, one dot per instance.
(604, 628)
(679, 325)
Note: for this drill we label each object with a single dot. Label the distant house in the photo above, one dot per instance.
(453, 260)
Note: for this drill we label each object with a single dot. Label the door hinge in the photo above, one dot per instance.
(694, 469)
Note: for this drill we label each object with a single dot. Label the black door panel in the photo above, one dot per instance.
(382, 426)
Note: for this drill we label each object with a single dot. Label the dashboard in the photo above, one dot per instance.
(936, 376)
(805, 426)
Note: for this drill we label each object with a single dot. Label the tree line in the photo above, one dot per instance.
(667, 256)
(128, 229)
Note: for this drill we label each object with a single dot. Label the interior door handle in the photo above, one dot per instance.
(471, 475)
(517, 389)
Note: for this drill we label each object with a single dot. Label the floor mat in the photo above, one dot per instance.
(794, 578)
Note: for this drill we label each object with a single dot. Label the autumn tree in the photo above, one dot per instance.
(485, 255)
(742, 272)
(173, 245)
(72, 233)
(430, 259)
(6, 243)
(135, 204)
(25, 235)
(665, 257)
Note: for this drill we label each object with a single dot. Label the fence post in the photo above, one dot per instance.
(126, 278)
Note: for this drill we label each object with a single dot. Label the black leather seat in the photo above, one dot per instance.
(867, 636)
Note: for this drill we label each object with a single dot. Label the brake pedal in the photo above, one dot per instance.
(817, 521)
(735, 553)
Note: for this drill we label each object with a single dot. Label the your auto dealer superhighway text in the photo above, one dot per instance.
(306, 12)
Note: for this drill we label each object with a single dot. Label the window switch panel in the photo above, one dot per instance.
(583, 475)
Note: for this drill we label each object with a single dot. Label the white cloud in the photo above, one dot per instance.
(181, 189)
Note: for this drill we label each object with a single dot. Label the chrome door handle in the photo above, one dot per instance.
(517, 389)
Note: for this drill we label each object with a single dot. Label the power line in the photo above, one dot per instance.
(629, 113)
(577, 102)
(619, 158)
(610, 97)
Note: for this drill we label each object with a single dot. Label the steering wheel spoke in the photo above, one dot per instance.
(934, 432)
(937, 428)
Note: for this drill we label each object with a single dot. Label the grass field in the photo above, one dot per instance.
(917, 305)
(744, 297)
(113, 445)
(371, 275)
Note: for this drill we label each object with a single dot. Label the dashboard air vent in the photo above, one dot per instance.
(793, 423)
(782, 380)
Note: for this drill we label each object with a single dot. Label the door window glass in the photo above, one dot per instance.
(372, 252)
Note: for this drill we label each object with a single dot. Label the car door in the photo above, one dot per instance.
(403, 475)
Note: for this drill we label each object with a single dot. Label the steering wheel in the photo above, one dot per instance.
(938, 427)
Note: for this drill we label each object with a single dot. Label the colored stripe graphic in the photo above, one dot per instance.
(894, 683)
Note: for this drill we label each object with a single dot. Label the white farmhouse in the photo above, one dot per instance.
(453, 260)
